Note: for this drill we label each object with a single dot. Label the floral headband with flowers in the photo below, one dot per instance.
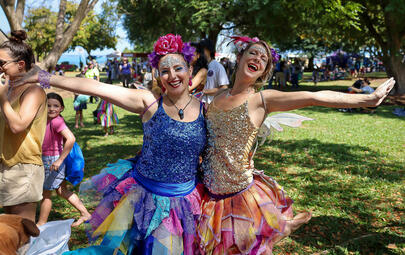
(167, 44)
(241, 42)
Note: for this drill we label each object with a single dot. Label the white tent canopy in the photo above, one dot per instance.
(115, 54)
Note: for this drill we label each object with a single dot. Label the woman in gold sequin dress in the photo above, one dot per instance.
(245, 211)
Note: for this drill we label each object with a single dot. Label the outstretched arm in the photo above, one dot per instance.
(129, 99)
(284, 101)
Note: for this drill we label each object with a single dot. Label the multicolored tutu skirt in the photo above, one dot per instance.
(137, 221)
(246, 222)
(106, 114)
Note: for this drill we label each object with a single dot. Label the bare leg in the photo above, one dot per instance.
(25, 210)
(74, 200)
(105, 131)
(81, 119)
(46, 206)
(77, 119)
(294, 224)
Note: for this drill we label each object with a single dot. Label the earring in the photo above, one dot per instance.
(190, 82)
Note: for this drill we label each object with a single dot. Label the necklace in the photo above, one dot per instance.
(180, 111)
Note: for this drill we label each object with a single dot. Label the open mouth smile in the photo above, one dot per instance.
(253, 67)
(175, 84)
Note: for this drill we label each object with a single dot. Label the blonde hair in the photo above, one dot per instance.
(268, 71)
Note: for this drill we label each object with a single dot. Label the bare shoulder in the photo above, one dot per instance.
(35, 90)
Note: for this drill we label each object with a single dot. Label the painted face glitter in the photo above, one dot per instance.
(259, 49)
(174, 62)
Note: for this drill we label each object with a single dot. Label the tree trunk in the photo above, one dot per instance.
(63, 36)
(213, 34)
(395, 68)
(14, 14)
(311, 63)
(3, 37)
(390, 44)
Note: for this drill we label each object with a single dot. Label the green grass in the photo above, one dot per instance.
(347, 168)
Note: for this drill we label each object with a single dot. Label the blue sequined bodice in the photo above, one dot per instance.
(171, 149)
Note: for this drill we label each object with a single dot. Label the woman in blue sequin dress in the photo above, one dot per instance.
(150, 204)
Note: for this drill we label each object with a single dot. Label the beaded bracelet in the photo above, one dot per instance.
(44, 79)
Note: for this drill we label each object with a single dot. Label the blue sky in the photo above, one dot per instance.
(122, 42)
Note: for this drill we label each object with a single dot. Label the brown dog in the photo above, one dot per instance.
(15, 231)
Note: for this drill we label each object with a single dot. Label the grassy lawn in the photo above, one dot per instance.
(347, 168)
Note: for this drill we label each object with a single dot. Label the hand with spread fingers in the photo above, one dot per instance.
(382, 91)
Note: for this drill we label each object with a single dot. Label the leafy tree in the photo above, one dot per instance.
(351, 25)
(95, 32)
(40, 26)
(146, 20)
(66, 28)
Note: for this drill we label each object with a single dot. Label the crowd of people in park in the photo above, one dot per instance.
(193, 188)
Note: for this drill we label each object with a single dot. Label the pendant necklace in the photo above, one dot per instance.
(180, 111)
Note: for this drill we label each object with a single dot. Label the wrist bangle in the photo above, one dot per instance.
(44, 79)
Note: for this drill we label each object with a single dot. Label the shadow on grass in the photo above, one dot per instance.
(332, 233)
(316, 155)
(342, 180)
(97, 156)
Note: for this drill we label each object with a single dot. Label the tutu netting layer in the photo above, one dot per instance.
(136, 220)
(247, 222)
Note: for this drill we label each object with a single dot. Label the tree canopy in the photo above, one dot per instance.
(96, 31)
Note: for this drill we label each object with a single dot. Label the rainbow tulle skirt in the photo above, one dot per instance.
(137, 221)
(246, 222)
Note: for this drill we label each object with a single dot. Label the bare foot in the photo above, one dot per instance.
(40, 223)
(81, 124)
(76, 126)
(294, 224)
(106, 134)
(81, 220)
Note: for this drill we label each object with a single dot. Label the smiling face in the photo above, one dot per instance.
(253, 63)
(174, 73)
(54, 108)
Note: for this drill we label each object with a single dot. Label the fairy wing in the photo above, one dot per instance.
(275, 121)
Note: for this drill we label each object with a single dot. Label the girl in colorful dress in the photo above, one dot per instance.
(58, 142)
(150, 204)
(244, 210)
(106, 116)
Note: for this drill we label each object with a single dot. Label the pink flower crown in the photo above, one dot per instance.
(241, 42)
(167, 44)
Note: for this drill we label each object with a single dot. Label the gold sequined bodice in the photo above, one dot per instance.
(226, 161)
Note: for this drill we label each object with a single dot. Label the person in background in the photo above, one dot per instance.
(93, 73)
(125, 72)
(109, 67)
(216, 75)
(147, 77)
(200, 69)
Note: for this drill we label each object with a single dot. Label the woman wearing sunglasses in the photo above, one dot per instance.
(23, 118)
